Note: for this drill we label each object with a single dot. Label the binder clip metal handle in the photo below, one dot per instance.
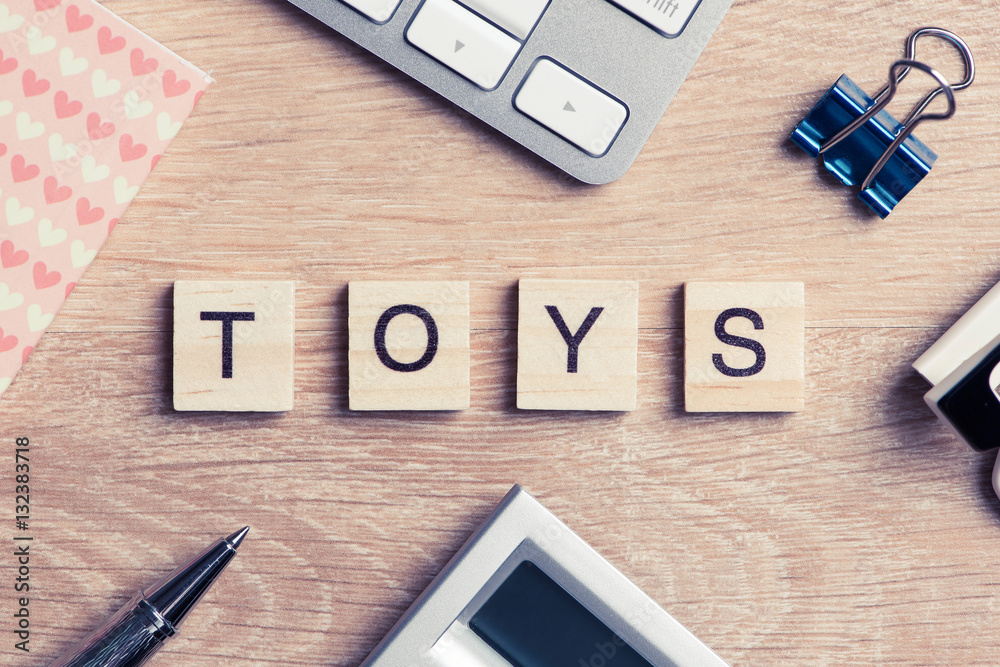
(911, 54)
(909, 124)
(863, 145)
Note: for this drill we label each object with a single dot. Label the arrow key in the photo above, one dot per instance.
(571, 106)
(459, 39)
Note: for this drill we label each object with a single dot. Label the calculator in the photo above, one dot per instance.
(581, 83)
(526, 591)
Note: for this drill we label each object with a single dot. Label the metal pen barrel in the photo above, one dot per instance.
(138, 630)
(130, 637)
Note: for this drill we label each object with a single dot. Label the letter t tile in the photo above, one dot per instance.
(577, 344)
(234, 347)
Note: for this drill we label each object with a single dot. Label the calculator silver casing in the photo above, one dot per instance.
(522, 529)
(594, 38)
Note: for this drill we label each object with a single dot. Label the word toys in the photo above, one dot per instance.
(409, 349)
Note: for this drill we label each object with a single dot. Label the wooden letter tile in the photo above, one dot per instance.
(744, 347)
(577, 344)
(409, 345)
(234, 345)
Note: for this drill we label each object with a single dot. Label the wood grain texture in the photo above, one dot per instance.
(577, 343)
(234, 345)
(408, 345)
(744, 347)
(855, 532)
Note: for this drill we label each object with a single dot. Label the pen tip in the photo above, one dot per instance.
(238, 536)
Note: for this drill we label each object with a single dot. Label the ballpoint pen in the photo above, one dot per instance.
(130, 637)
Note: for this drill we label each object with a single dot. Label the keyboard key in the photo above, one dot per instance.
(571, 107)
(379, 11)
(464, 42)
(517, 17)
(665, 16)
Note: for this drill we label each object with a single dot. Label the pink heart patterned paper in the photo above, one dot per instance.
(88, 104)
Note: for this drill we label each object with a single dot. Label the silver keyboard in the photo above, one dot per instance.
(581, 83)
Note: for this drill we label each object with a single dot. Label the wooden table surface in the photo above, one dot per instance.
(858, 531)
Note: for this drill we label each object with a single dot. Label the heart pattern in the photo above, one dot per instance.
(11, 256)
(142, 65)
(9, 22)
(7, 342)
(38, 320)
(32, 85)
(93, 172)
(43, 277)
(65, 107)
(130, 150)
(172, 86)
(9, 300)
(96, 130)
(79, 254)
(166, 128)
(21, 171)
(38, 43)
(7, 65)
(90, 104)
(108, 43)
(55, 194)
(70, 64)
(49, 235)
(59, 150)
(18, 214)
(86, 215)
(136, 108)
(124, 193)
(77, 21)
(28, 129)
(103, 86)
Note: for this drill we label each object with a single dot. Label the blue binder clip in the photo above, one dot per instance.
(863, 145)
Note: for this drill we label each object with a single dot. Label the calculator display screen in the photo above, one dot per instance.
(533, 622)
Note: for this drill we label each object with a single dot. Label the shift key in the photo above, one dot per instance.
(668, 17)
